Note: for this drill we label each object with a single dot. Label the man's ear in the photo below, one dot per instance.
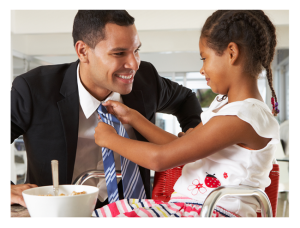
(233, 51)
(81, 49)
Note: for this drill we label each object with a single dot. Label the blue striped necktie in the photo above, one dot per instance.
(133, 187)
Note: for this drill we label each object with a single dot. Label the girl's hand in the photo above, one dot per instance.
(121, 111)
(104, 134)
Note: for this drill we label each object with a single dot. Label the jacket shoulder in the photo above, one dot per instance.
(146, 67)
(45, 71)
(43, 78)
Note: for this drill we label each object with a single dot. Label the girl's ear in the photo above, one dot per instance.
(233, 51)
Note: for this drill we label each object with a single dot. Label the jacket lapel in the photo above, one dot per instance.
(135, 101)
(69, 112)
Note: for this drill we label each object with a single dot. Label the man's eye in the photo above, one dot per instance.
(119, 53)
(137, 50)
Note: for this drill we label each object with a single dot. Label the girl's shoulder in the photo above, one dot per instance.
(246, 107)
(250, 108)
(258, 115)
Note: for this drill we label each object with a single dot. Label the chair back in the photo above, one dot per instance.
(272, 189)
(165, 181)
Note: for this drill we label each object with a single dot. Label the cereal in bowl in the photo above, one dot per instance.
(72, 194)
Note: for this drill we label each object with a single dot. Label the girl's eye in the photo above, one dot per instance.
(202, 59)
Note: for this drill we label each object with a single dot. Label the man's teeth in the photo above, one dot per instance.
(124, 77)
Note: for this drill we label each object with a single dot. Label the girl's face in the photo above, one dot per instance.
(215, 68)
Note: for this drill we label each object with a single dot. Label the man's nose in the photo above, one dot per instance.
(133, 62)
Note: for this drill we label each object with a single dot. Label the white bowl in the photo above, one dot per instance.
(61, 206)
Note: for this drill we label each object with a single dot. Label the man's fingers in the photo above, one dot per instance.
(33, 185)
(180, 134)
(20, 200)
(16, 193)
(27, 186)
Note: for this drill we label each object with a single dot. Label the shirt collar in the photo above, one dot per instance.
(89, 104)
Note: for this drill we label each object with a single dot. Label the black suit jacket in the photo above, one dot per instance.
(45, 110)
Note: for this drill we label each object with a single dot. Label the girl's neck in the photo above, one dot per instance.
(244, 89)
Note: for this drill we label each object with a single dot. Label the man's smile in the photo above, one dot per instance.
(125, 76)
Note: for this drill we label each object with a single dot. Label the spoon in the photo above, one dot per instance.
(54, 165)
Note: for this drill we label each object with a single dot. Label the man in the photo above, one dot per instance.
(54, 107)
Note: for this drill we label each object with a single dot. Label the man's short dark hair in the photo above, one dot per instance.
(89, 24)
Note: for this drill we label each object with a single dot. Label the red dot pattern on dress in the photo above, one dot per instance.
(225, 175)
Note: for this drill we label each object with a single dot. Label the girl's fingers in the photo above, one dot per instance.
(109, 106)
(109, 103)
(110, 109)
(33, 185)
(105, 103)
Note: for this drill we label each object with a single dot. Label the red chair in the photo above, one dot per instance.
(272, 189)
(164, 182)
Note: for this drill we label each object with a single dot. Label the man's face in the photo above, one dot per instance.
(115, 60)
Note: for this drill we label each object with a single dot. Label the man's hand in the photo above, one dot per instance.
(16, 193)
(180, 134)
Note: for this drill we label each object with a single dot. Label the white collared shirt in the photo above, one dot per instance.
(89, 154)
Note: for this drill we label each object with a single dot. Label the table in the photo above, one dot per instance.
(18, 211)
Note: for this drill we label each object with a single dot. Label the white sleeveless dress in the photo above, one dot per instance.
(234, 165)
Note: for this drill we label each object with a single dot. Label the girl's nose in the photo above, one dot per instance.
(202, 71)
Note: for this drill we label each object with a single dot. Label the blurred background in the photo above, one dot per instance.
(170, 42)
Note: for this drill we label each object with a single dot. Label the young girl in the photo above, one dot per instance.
(234, 144)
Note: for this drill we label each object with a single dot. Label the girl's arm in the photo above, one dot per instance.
(150, 131)
(132, 117)
(219, 133)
